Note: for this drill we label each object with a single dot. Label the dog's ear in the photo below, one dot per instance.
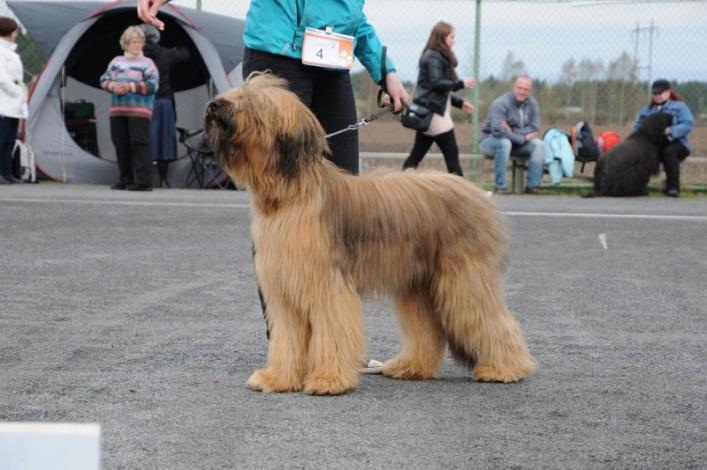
(296, 151)
(667, 120)
(653, 127)
(300, 142)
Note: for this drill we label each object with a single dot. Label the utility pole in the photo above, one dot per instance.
(477, 89)
(637, 32)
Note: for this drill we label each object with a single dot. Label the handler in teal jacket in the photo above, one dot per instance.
(274, 35)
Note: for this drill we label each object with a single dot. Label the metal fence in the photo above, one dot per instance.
(590, 60)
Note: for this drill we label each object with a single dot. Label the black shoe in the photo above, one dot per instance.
(3, 180)
(534, 190)
(12, 179)
(502, 191)
(139, 187)
(672, 193)
(119, 186)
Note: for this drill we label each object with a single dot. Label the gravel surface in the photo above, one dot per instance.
(140, 312)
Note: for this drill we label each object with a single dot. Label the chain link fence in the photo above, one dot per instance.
(590, 60)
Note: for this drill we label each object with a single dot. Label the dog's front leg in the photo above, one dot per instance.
(337, 345)
(287, 350)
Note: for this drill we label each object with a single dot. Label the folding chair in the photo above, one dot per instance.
(205, 170)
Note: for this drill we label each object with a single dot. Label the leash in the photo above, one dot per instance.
(363, 122)
(381, 94)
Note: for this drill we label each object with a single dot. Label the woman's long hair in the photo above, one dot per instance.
(437, 42)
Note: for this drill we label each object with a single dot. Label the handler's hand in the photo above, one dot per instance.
(469, 82)
(147, 12)
(397, 91)
(467, 107)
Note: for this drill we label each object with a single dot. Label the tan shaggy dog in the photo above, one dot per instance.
(322, 237)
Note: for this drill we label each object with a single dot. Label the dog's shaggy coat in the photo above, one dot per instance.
(626, 169)
(322, 237)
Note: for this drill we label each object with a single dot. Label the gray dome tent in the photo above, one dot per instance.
(78, 39)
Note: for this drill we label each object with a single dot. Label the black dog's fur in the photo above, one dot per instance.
(625, 169)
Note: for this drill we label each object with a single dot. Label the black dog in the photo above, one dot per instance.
(625, 169)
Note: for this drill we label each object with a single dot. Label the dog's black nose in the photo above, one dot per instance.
(214, 106)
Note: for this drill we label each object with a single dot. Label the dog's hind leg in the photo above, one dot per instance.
(337, 345)
(478, 325)
(423, 338)
(287, 351)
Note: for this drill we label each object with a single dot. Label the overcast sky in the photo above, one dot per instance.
(542, 34)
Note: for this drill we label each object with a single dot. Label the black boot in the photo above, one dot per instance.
(162, 167)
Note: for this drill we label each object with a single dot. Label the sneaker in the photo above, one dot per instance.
(3, 180)
(502, 191)
(139, 187)
(372, 367)
(119, 186)
(534, 190)
(672, 193)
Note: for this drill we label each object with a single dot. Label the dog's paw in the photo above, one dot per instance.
(263, 380)
(398, 368)
(490, 373)
(320, 384)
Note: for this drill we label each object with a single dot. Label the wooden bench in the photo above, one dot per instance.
(519, 174)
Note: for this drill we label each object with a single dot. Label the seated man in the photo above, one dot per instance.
(512, 128)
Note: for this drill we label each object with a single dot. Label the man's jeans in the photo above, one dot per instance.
(501, 150)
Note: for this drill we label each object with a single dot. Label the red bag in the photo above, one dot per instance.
(607, 139)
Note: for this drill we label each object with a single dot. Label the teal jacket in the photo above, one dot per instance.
(277, 27)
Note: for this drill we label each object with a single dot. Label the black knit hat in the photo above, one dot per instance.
(659, 86)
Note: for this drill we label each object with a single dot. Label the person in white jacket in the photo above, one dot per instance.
(13, 97)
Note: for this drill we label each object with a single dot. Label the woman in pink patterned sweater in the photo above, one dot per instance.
(132, 80)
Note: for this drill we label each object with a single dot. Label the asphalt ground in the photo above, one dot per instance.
(139, 311)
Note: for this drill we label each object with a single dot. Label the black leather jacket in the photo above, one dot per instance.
(434, 82)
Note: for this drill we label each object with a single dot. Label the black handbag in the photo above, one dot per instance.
(415, 116)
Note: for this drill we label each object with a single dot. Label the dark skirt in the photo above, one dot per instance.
(163, 130)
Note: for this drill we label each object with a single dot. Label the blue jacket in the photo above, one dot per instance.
(559, 157)
(523, 118)
(277, 27)
(682, 120)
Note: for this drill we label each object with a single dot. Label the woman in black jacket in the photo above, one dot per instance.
(163, 126)
(435, 83)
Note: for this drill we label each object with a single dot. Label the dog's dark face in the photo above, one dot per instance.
(653, 126)
(263, 130)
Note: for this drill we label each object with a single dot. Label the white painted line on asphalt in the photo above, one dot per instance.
(583, 215)
(597, 215)
(112, 202)
(602, 240)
